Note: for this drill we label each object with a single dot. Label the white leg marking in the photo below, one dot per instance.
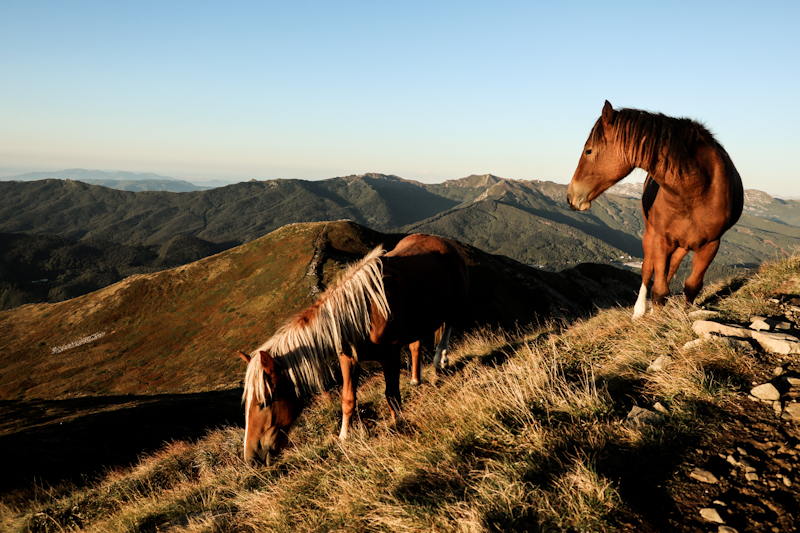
(440, 360)
(344, 431)
(641, 303)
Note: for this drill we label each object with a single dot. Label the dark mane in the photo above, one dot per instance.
(655, 142)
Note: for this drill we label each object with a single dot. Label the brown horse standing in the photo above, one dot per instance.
(693, 193)
(384, 301)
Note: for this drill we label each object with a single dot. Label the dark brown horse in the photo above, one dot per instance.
(693, 193)
(379, 304)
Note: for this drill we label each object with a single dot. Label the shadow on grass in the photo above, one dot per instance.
(45, 442)
(714, 298)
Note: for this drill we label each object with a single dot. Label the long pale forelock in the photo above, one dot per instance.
(342, 316)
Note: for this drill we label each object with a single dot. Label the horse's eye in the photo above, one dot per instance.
(589, 151)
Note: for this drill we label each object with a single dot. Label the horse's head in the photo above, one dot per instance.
(267, 422)
(600, 165)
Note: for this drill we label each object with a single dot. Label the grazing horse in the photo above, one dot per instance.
(380, 303)
(693, 193)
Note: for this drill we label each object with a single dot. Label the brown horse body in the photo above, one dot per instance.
(381, 303)
(693, 193)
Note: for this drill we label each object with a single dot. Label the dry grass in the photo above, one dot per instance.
(522, 435)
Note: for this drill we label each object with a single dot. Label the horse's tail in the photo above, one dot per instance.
(437, 336)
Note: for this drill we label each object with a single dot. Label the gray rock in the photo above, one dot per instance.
(706, 327)
(643, 417)
(661, 362)
(791, 412)
(695, 344)
(766, 391)
(703, 475)
(782, 343)
(711, 514)
(762, 323)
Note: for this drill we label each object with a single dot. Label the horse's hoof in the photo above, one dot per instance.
(414, 382)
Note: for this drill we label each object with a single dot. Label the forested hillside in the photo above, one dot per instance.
(528, 221)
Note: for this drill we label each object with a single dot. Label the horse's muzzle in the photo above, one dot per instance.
(578, 204)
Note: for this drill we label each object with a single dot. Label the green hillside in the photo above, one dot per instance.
(500, 228)
(227, 215)
(528, 221)
(48, 268)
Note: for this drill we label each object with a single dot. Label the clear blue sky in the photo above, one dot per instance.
(428, 90)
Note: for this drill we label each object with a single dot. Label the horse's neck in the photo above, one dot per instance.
(677, 180)
(704, 177)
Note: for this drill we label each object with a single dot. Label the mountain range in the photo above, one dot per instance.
(124, 181)
(528, 221)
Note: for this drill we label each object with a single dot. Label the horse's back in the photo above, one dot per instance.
(426, 283)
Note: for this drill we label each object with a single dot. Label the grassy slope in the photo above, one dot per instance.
(526, 434)
(156, 324)
(179, 330)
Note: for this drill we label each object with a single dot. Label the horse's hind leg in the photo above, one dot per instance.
(391, 375)
(416, 371)
(700, 263)
(349, 385)
(440, 360)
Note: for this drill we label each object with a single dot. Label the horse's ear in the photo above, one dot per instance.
(267, 362)
(244, 356)
(608, 113)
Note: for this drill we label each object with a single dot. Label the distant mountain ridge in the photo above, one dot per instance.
(463, 208)
(124, 181)
(528, 221)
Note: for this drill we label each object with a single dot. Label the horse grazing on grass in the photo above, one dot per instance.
(692, 195)
(380, 303)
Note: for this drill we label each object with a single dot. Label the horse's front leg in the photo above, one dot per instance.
(349, 385)
(647, 273)
(416, 371)
(391, 375)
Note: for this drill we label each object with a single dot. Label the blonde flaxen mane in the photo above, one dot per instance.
(306, 344)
